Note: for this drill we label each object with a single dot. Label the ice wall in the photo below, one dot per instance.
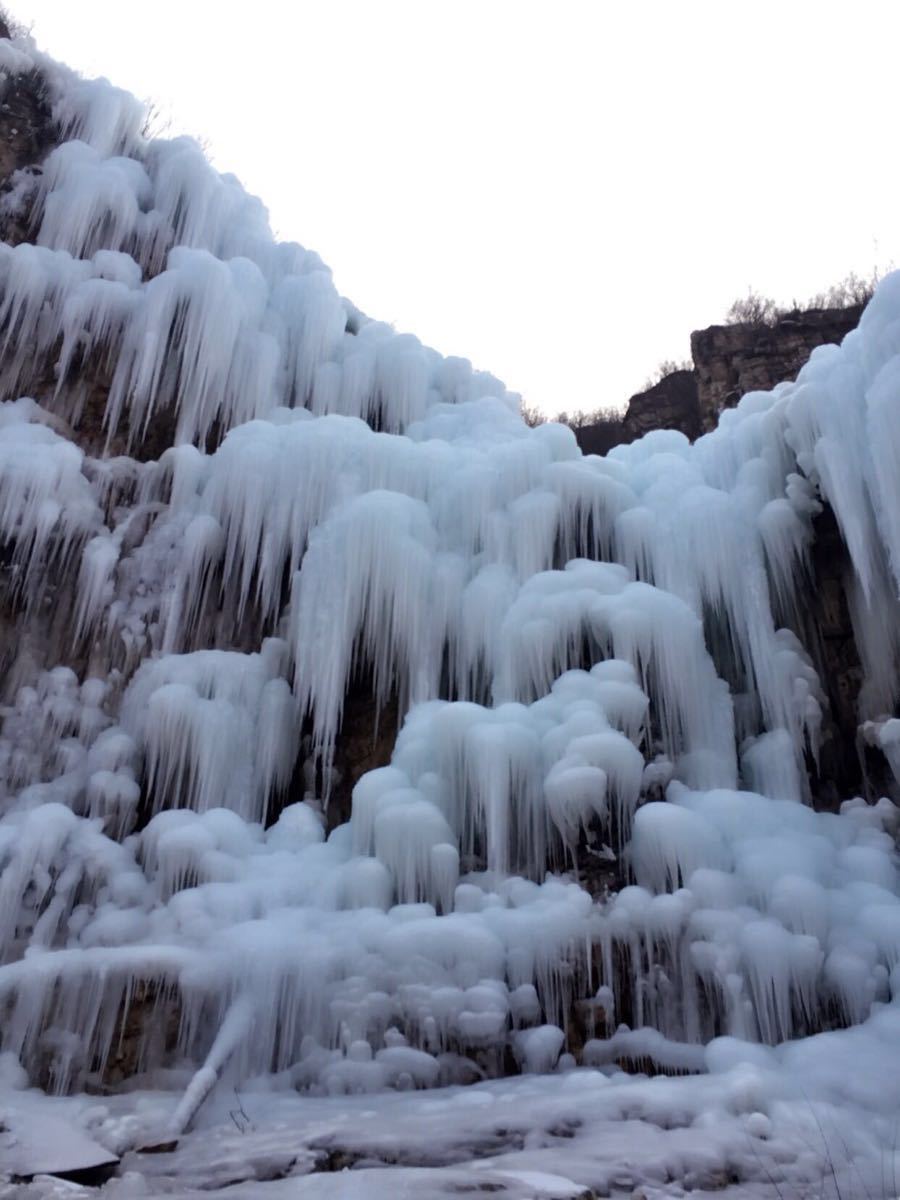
(226, 496)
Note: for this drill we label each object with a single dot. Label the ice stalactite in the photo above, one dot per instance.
(227, 497)
(216, 728)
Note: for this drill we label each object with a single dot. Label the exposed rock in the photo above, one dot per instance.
(366, 742)
(600, 437)
(27, 134)
(830, 631)
(670, 404)
(149, 1025)
(731, 360)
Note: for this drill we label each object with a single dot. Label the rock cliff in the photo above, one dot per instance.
(731, 360)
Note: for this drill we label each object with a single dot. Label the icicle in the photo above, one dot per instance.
(232, 1032)
(195, 343)
(107, 118)
(90, 202)
(369, 569)
(216, 728)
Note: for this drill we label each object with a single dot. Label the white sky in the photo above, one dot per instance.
(559, 191)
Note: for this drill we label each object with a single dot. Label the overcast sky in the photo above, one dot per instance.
(560, 191)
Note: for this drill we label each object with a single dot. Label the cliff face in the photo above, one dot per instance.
(670, 404)
(27, 134)
(731, 360)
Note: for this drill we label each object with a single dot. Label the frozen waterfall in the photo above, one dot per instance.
(227, 498)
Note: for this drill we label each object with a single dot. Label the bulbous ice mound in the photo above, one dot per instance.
(227, 497)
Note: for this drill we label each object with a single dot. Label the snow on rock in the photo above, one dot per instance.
(48, 1146)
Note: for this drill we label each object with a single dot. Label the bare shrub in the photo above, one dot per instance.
(669, 366)
(753, 309)
(531, 415)
(850, 292)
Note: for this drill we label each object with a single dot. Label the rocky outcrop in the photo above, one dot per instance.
(27, 134)
(599, 437)
(669, 404)
(366, 741)
(829, 632)
(731, 360)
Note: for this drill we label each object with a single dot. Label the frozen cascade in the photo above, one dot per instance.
(227, 498)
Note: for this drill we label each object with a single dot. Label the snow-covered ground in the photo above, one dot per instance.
(817, 1118)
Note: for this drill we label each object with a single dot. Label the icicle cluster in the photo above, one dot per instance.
(238, 496)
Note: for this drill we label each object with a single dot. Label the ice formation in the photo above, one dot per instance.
(597, 661)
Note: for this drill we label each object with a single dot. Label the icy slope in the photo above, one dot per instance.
(287, 498)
